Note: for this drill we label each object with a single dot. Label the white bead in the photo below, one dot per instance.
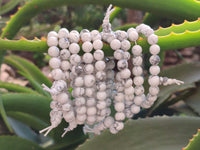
(118, 54)
(79, 101)
(129, 90)
(108, 102)
(86, 37)
(127, 83)
(64, 43)
(154, 80)
(154, 70)
(154, 49)
(101, 86)
(74, 37)
(119, 106)
(138, 80)
(147, 31)
(119, 97)
(135, 109)
(63, 33)
(91, 111)
(153, 90)
(57, 74)
(125, 74)
(62, 98)
(110, 74)
(64, 54)
(115, 44)
(88, 58)
(138, 100)
(74, 48)
(119, 125)
(52, 41)
(100, 65)
(53, 51)
(127, 55)
(110, 64)
(54, 62)
(75, 59)
(137, 61)
(119, 87)
(69, 116)
(137, 71)
(140, 27)
(87, 46)
(125, 45)
(65, 65)
(122, 64)
(89, 68)
(84, 31)
(108, 121)
(133, 36)
(66, 75)
(95, 35)
(129, 98)
(131, 30)
(128, 113)
(101, 75)
(152, 39)
(120, 116)
(89, 80)
(118, 77)
(89, 92)
(136, 50)
(121, 35)
(113, 130)
(78, 91)
(98, 54)
(81, 118)
(91, 120)
(101, 95)
(81, 110)
(78, 81)
(139, 90)
(52, 34)
(97, 44)
(154, 59)
(101, 105)
(108, 37)
(151, 98)
(91, 102)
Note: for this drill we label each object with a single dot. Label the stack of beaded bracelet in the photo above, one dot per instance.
(95, 84)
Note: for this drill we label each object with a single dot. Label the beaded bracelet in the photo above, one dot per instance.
(95, 85)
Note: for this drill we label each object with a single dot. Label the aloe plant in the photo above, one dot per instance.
(30, 106)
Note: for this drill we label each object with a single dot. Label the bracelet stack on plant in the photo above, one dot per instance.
(95, 85)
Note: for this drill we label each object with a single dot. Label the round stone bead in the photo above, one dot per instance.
(100, 65)
(152, 39)
(88, 68)
(84, 31)
(79, 101)
(110, 63)
(136, 50)
(98, 54)
(89, 92)
(154, 49)
(97, 44)
(125, 45)
(78, 91)
(115, 44)
(109, 121)
(78, 81)
(63, 33)
(66, 75)
(75, 59)
(91, 120)
(64, 54)
(131, 30)
(154, 70)
(119, 87)
(88, 58)
(133, 36)
(113, 130)
(139, 90)
(101, 86)
(87, 46)
(57, 74)
(95, 35)
(137, 61)
(119, 125)
(129, 98)
(154, 59)
(81, 110)
(129, 90)
(81, 118)
(153, 90)
(135, 109)
(54, 62)
(74, 48)
(127, 55)
(86, 37)
(101, 104)
(74, 37)
(101, 95)
(119, 106)
(52, 34)
(118, 54)
(127, 83)
(91, 111)
(62, 98)
(141, 27)
(122, 64)
(138, 100)
(151, 98)
(121, 35)
(53, 51)
(138, 80)
(147, 31)
(108, 37)
(125, 74)
(137, 71)
(119, 97)
(120, 116)
(64, 43)
(89, 80)
(154, 80)
(91, 102)
(69, 116)
(65, 65)
(100, 75)
(52, 41)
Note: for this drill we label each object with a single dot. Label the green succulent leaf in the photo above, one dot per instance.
(27, 67)
(158, 133)
(17, 143)
(194, 143)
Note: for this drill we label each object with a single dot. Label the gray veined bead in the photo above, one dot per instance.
(154, 59)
